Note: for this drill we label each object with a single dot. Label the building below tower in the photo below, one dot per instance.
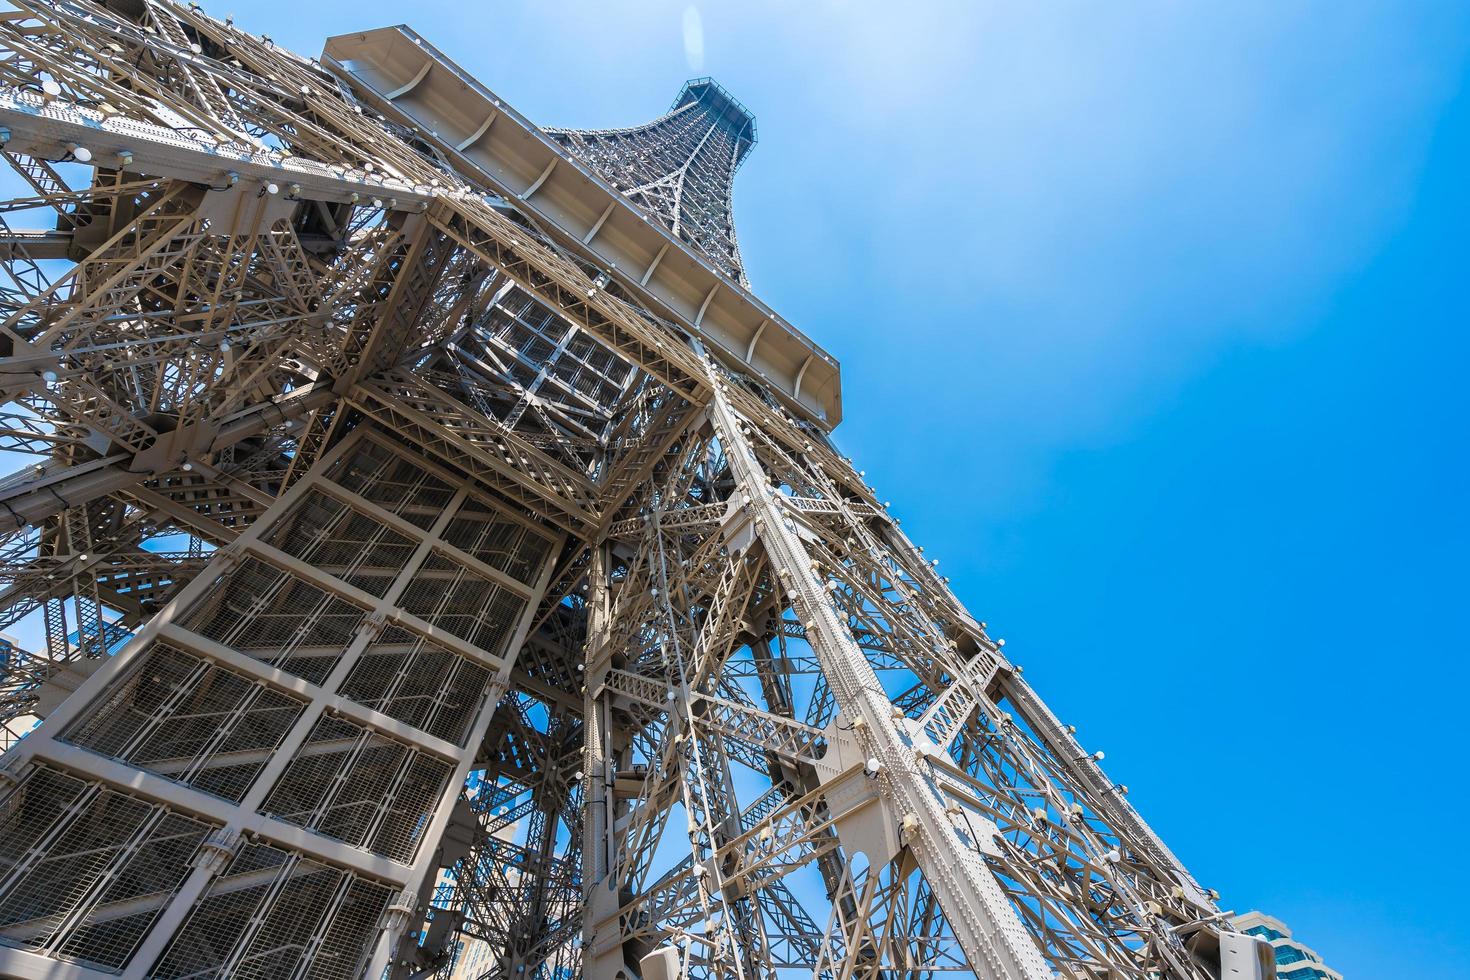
(1294, 961)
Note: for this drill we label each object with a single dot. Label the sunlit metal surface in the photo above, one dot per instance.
(441, 564)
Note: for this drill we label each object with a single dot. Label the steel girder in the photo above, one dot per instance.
(472, 615)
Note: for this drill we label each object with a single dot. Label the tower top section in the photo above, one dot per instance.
(648, 206)
(716, 98)
(680, 168)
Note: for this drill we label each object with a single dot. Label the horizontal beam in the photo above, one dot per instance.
(29, 497)
(50, 129)
(34, 243)
(583, 212)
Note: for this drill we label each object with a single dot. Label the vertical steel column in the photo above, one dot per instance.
(992, 936)
(403, 873)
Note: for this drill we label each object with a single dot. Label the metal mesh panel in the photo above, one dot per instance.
(182, 717)
(374, 472)
(354, 785)
(503, 544)
(275, 915)
(591, 369)
(340, 541)
(418, 682)
(85, 870)
(29, 810)
(344, 946)
(463, 602)
(521, 326)
(271, 615)
(526, 327)
(523, 373)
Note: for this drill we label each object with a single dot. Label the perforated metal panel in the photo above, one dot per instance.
(449, 594)
(85, 869)
(274, 914)
(536, 340)
(267, 613)
(343, 542)
(352, 784)
(505, 545)
(180, 716)
(351, 739)
(399, 486)
(415, 680)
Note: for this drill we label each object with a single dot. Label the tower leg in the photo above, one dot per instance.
(285, 740)
(993, 937)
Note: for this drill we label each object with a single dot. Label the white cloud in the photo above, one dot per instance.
(693, 38)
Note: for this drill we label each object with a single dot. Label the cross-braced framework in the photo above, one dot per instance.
(440, 564)
(680, 167)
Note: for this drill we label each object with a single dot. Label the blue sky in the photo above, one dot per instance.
(1152, 319)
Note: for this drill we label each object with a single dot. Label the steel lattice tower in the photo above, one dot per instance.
(680, 168)
(446, 568)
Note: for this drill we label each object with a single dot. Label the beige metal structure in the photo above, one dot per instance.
(484, 593)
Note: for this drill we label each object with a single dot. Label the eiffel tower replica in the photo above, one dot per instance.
(446, 569)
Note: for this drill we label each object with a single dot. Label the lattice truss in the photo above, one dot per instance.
(680, 167)
(476, 617)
